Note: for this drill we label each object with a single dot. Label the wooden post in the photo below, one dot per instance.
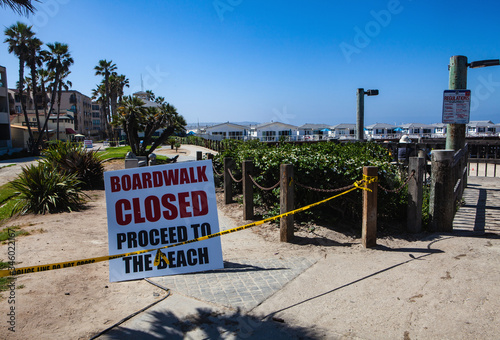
(415, 195)
(228, 185)
(199, 155)
(247, 168)
(286, 202)
(369, 228)
(441, 202)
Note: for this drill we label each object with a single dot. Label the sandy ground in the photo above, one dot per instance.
(440, 287)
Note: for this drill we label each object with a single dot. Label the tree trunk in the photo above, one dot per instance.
(23, 106)
(34, 91)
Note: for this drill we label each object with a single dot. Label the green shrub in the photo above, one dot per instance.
(43, 190)
(325, 165)
(75, 159)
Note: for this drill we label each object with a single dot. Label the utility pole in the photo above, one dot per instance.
(455, 133)
(360, 114)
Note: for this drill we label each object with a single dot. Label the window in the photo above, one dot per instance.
(268, 133)
(5, 131)
(236, 135)
(285, 133)
(95, 107)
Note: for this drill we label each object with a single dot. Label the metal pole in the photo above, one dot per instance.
(360, 114)
(455, 133)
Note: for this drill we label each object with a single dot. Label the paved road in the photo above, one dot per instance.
(10, 168)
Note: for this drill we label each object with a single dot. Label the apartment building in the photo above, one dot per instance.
(5, 136)
(80, 106)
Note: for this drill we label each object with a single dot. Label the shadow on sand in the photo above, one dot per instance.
(208, 324)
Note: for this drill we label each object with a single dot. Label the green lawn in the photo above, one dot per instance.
(114, 152)
(6, 192)
(7, 201)
(121, 151)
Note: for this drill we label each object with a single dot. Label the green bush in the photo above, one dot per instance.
(72, 158)
(324, 165)
(43, 190)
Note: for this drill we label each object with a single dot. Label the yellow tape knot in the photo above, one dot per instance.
(158, 257)
(362, 184)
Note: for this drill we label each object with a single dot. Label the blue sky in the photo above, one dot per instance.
(291, 61)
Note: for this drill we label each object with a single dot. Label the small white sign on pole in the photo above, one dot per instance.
(456, 106)
(155, 206)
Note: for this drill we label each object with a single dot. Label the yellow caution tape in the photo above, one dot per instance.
(60, 265)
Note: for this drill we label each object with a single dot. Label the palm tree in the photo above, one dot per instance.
(150, 95)
(19, 6)
(44, 76)
(58, 60)
(34, 60)
(131, 113)
(117, 84)
(18, 36)
(105, 68)
(124, 82)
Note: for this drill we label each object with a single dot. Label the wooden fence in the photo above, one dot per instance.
(448, 181)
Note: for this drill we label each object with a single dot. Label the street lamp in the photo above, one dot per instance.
(360, 111)
(455, 133)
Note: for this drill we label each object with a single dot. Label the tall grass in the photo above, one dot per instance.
(71, 158)
(43, 190)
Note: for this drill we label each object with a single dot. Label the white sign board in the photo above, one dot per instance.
(456, 106)
(151, 207)
(88, 143)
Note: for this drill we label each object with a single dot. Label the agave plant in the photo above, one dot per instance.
(74, 158)
(43, 190)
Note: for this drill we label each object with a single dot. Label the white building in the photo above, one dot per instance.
(380, 130)
(313, 132)
(417, 130)
(273, 131)
(228, 131)
(481, 128)
(439, 130)
(344, 131)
